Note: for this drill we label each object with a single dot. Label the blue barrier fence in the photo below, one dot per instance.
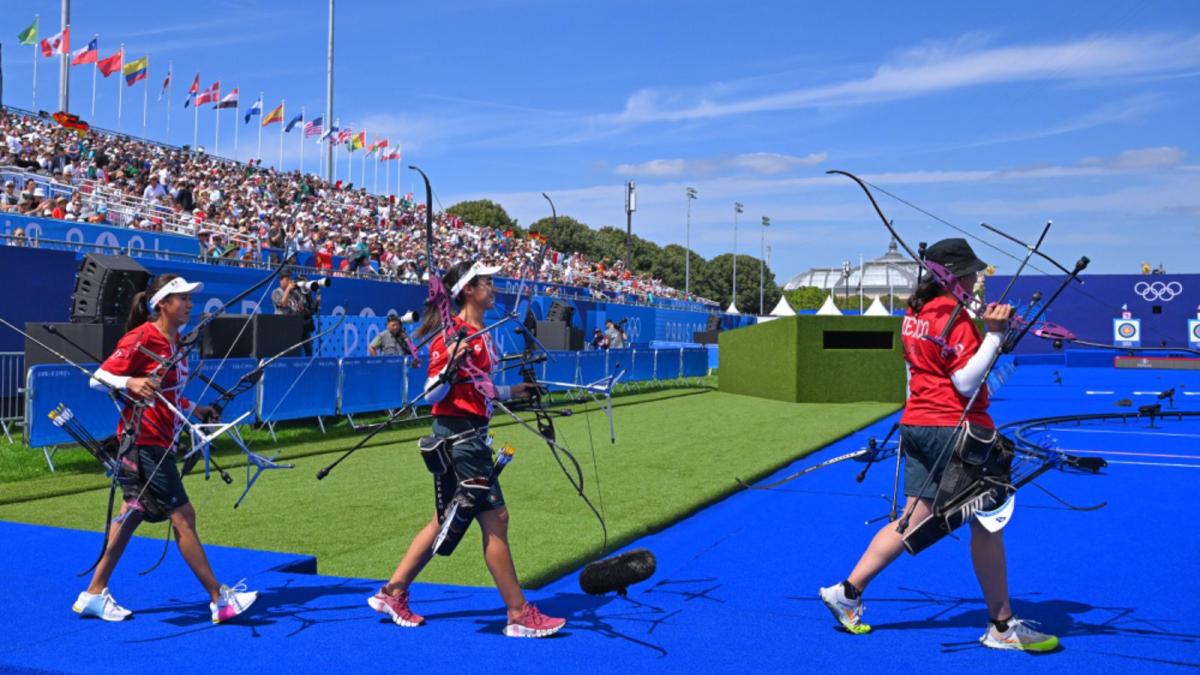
(297, 388)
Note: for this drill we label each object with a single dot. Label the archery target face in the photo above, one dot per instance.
(1127, 330)
(1194, 331)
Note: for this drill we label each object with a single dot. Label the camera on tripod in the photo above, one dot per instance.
(306, 286)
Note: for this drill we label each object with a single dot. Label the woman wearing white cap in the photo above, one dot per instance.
(461, 414)
(154, 490)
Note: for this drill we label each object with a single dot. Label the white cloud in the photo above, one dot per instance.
(933, 68)
(1142, 159)
(655, 167)
(765, 163)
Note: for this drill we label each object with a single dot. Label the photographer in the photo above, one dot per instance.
(287, 298)
(614, 335)
(310, 299)
(391, 342)
(299, 297)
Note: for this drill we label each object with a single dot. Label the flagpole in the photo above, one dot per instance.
(237, 115)
(283, 109)
(120, 88)
(145, 98)
(375, 179)
(217, 131)
(37, 22)
(260, 119)
(387, 179)
(170, 83)
(303, 121)
(195, 122)
(95, 67)
(363, 163)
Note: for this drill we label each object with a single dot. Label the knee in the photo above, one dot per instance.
(184, 517)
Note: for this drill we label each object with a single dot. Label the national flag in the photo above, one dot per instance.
(59, 44)
(255, 109)
(29, 35)
(210, 95)
(313, 127)
(230, 100)
(89, 54)
(192, 91)
(393, 155)
(295, 120)
(274, 117)
(111, 64)
(135, 71)
(358, 141)
(343, 136)
(166, 83)
(69, 121)
(329, 133)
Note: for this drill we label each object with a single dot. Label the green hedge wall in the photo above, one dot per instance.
(787, 360)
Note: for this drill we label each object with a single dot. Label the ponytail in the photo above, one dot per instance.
(431, 319)
(926, 291)
(140, 313)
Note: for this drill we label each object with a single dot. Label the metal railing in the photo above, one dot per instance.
(12, 392)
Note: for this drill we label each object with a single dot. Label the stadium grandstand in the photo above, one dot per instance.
(238, 211)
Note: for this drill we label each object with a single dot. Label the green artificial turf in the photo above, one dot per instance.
(676, 452)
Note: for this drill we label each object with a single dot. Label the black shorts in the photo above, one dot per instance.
(472, 456)
(159, 473)
(922, 446)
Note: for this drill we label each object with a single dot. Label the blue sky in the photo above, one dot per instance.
(1084, 113)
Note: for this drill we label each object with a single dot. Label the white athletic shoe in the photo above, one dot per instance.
(1020, 636)
(848, 613)
(100, 605)
(232, 602)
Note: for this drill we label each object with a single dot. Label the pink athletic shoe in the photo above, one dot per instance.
(533, 624)
(396, 606)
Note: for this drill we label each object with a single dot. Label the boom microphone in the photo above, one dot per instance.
(617, 573)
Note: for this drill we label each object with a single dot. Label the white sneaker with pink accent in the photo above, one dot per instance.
(232, 602)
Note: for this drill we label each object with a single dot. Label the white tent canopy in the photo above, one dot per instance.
(876, 308)
(783, 308)
(829, 309)
(732, 308)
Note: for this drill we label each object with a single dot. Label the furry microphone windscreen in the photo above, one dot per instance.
(617, 573)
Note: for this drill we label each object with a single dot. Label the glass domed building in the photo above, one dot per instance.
(892, 274)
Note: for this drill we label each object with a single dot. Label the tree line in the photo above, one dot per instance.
(710, 278)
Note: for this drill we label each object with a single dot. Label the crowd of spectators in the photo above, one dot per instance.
(236, 210)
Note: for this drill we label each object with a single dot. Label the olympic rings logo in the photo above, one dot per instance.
(1127, 330)
(1158, 290)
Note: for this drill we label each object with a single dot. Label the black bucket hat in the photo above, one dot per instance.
(955, 255)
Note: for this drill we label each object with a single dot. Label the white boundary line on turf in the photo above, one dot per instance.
(1098, 392)
(1182, 466)
(1071, 430)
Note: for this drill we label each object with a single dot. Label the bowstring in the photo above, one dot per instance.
(967, 233)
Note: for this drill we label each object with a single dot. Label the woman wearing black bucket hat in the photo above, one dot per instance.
(947, 359)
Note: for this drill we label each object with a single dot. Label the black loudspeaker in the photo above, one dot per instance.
(714, 322)
(104, 288)
(80, 342)
(705, 337)
(560, 311)
(263, 336)
(560, 336)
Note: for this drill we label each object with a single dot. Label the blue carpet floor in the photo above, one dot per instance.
(736, 583)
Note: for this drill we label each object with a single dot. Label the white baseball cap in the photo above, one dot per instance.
(477, 270)
(176, 285)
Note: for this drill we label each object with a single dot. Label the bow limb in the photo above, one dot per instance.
(545, 431)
